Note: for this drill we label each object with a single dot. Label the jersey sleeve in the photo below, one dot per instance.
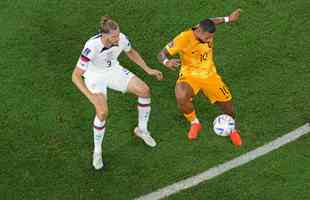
(88, 53)
(178, 43)
(126, 43)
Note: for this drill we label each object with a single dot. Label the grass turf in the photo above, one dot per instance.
(45, 123)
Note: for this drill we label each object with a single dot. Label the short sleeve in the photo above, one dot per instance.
(88, 53)
(126, 44)
(178, 43)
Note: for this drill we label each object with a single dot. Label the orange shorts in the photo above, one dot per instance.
(213, 87)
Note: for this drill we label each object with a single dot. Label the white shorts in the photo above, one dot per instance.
(115, 78)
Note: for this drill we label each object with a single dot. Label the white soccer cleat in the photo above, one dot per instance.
(145, 136)
(97, 161)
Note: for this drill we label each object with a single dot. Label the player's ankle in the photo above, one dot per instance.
(195, 121)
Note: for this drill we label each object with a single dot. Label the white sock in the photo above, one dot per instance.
(144, 109)
(99, 130)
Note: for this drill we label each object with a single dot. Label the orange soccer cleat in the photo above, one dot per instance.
(194, 131)
(235, 138)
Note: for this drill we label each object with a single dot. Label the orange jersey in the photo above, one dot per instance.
(196, 57)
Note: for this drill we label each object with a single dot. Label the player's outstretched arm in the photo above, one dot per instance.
(136, 58)
(234, 16)
(163, 59)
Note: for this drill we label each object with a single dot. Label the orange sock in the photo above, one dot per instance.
(191, 116)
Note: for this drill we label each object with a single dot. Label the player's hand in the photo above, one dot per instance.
(173, 64)
(234, 16)
(154, 72)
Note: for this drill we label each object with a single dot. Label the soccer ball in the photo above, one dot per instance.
(223, 125)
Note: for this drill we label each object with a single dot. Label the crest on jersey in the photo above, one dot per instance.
(86, 52)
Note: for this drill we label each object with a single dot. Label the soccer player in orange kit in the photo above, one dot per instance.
(198, 71)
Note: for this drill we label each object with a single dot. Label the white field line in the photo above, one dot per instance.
(222, 168)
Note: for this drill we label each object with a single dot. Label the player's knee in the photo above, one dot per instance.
(102, 114)
(182, 97)
(144, 91)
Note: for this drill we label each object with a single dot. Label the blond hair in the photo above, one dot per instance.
(107, 24)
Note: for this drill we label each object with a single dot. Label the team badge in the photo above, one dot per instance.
(86, 52)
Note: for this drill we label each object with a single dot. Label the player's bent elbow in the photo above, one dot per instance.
(76, 74)
(74, 77)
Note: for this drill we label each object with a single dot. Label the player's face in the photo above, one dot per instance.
(113, 37)
(203, 36)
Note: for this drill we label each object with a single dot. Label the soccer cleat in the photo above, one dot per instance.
(235, 138)
(97, 161)
(145, 136)
(194, 131)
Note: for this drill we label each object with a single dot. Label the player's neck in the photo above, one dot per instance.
(196, 37)
(105, 42)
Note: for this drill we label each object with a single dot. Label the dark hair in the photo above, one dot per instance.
(107, 25)
(207, 25)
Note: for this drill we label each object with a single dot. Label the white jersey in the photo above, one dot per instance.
(97, 58)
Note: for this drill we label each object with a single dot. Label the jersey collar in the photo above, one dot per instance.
(107, 48)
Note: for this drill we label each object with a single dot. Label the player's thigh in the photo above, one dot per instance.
(138, 87)
(96, 83)
(216, 90)
(186, 88)
(119, 79)
(98, 87)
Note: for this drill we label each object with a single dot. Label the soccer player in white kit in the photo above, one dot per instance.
(99, 67)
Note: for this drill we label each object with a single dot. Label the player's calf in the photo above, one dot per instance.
(227, 108)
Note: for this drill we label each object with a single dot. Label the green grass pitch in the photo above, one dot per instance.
(45, 122)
